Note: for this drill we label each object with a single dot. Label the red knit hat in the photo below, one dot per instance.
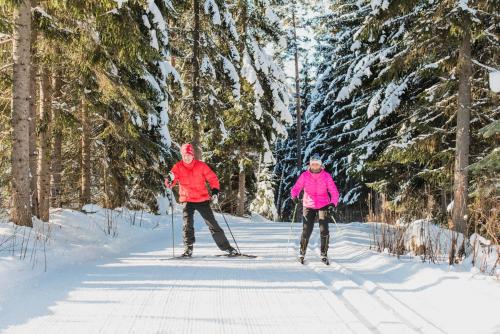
(187, 149)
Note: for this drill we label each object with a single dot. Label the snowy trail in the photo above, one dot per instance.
(140, 291)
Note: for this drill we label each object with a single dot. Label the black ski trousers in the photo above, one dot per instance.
(308, 220)
(206, 212)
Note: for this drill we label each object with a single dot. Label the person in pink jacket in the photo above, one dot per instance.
(320, 193)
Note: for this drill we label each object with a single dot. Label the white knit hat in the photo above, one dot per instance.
(316, 158)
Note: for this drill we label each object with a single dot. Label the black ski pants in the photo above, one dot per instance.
(206, 212)
(308, 220)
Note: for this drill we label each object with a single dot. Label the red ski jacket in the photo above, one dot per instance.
(192, 180)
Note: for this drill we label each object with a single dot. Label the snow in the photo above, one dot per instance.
(42, 12)
(211, 8)
(248, 72)
(450, 206)
(356, 46)
(422, 232)
(495, 81)
(146, 22)
(223, 130)
(152, 82)
(120, 3)
(159, 20)
(207, 67)
(99, 284)
(231, 71)
(167, 70)
(268, 154)
(154, 40)
(231, 24)
(464, 5)
(485, 255)
(276, 80)
(271, 16)
(392, 94)
(379, 6)
(235, 55)
(165, 134)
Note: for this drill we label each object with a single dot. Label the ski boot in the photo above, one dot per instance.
(301, 259)
(188, 251)
(231, 251)
(325, 260)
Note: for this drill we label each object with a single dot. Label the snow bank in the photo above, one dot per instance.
(423, 234)
(495, 81)
(72, 237)
(431, 242)
(485, 256)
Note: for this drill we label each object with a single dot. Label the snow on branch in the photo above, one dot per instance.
(211, 8)
(231, 71)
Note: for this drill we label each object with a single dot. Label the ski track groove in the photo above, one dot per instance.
(372, 289)
(352, 309)
(137, 292)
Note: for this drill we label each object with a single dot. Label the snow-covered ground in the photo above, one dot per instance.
(128, 284)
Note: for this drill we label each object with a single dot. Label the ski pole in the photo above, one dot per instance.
(172, 214)
(333, 218)
(335, 221)
(229, 228)
(170, 196)
(291, 228)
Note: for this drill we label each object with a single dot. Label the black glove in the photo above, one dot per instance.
(295, 200)
(215, 196)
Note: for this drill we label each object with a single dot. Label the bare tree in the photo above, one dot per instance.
(297, 91)
(85, 185)
(460, 187)
(196, 81)
(21, 206)
(240, 210)
(33, 119)
(56, 167)
(44, 149)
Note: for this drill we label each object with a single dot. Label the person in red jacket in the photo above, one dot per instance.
(192, 176)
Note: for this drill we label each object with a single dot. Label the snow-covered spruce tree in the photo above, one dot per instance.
(287, 169)
(263, 203)
(265, 92)
(381, 109)
(135, 152)
(208, 59)
(415, 167)
(290, 159)
(244, 98)
(329, 120)
(113, 64)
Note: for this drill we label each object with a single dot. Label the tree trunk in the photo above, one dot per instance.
(44, 150)
(196, 82)
(460, 185)
(33, 118)
(56, 167)
(21, 207)
(85, 194)
(240, 211)
(297, 94)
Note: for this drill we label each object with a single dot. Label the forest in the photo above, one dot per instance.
(399, 98)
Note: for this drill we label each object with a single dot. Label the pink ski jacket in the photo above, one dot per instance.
(319, 189)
